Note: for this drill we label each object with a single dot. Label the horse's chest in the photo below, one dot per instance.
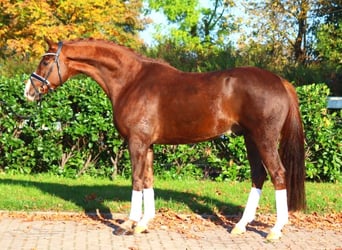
(136, 117)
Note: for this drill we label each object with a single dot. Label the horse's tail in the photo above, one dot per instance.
(292, 153)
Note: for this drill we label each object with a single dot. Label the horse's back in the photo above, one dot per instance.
(204, 106)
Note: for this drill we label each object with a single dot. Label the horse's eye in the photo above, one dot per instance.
(45, 63)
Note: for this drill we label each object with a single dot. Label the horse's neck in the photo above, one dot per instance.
(110, 67)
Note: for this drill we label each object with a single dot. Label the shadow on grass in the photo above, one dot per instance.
(91, 198)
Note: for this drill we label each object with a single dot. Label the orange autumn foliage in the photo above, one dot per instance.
(25, 24)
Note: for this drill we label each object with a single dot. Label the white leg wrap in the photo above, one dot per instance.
(282, 210)
(251, 206)
(136, 206)
(149, 206)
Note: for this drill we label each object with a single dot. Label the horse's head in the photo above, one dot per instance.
(51, 73)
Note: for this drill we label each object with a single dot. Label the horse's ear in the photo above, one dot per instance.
(49, 42)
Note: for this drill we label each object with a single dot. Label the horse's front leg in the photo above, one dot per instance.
(148, 194)
(142, 182)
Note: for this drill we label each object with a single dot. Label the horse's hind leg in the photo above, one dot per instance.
(268, 149)
(258, 178)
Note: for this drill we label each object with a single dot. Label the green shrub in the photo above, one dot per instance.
(71, 133)
(323, 130)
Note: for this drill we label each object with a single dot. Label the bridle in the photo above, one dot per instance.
(44, 80)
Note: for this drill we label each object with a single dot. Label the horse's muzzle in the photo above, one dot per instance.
(29, 94)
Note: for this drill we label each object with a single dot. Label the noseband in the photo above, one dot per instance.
(44, 80)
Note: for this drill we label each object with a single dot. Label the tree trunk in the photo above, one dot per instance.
(300, 42)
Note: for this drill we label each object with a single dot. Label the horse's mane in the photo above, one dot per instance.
(129, 50)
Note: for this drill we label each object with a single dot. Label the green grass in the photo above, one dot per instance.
(51, 193)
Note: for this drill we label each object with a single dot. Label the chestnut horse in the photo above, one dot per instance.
(154, 103)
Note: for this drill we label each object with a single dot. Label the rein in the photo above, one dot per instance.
(44, 80)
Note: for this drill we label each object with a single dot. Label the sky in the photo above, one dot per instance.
(147, 34)
(159, 18)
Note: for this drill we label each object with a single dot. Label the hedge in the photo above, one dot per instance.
(70, 133)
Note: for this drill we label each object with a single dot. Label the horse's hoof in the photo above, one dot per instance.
(140, 229)
(125, 228)
(122, 231)
(274, 235)
(237, 230)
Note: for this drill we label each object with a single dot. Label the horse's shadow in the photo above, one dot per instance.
(91, 200)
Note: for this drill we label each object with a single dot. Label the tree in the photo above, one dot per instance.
(329, 10)
(193, 25)
(328, 30)
(25, 24)
(195, 36)
(283, 26)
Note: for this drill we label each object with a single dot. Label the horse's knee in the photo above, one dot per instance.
(148, 182)
(137, 184)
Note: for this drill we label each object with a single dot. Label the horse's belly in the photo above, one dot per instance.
(195, 133)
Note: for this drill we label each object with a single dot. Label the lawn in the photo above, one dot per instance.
(44, 192)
